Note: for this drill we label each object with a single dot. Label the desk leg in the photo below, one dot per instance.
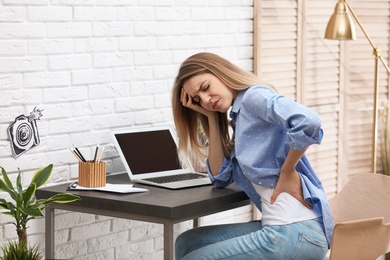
(195, 222)
(168, 241)
(49, 233)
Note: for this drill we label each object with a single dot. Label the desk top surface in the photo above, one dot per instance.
(157, 202)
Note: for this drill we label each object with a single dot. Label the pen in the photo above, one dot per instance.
(78, 152)
(96, 153)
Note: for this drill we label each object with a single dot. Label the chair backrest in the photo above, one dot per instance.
(365, 239)
(358, 211)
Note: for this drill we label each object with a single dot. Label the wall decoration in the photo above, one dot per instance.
(23, 132)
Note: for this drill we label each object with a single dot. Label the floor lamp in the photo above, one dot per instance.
(341, 27)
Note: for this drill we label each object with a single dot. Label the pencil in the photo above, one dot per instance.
(100, 154)
(78, 152)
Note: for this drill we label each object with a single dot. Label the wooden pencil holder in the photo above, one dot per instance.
(92, 174)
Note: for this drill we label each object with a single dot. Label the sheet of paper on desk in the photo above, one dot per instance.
(118, 188)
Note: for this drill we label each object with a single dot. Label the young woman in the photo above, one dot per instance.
(264, 157)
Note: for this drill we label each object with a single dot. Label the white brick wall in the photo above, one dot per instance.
(98, 65)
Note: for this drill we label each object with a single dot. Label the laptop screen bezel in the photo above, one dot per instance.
(145, 129)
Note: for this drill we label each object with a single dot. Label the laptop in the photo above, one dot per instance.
(150, 157)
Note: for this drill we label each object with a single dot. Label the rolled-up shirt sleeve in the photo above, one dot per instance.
(225, 175)
(301, 123)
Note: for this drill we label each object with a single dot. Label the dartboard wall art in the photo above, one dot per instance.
(23, 132)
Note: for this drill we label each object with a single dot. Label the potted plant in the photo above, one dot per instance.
(23, 207)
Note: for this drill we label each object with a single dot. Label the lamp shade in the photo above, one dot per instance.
(340, 25)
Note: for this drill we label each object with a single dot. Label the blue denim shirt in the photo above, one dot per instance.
(266, 125)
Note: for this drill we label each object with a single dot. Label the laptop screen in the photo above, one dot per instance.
(149, 151)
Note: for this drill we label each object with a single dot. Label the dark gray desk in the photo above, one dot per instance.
(158, 205)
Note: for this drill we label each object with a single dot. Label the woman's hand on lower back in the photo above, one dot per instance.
(290, 182)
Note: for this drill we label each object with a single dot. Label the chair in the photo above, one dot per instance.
(361, 212)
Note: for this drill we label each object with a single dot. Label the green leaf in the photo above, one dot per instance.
(19, 200)
(34, 212)
(6, 204)
(19, 187)
(37, 203)
(4, 187)
(28, 193)
(7, 182)
(8, 213)
(41, 176)
(62, 198)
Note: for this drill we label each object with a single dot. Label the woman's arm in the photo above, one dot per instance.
(289, 180)
(216, 154)
(303, 128)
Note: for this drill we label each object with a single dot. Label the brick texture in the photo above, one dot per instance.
(95, 66)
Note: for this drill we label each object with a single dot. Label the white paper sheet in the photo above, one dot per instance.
(118, 188)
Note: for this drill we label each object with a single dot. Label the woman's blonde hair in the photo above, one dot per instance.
(192, 127)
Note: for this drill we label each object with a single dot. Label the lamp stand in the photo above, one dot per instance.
(377, 54)
(375, 110)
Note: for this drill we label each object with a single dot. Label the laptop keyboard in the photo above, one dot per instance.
(177, 177)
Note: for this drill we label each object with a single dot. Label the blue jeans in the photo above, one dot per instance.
(301, 240)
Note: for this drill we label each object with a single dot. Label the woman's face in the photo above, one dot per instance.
(209, 92)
